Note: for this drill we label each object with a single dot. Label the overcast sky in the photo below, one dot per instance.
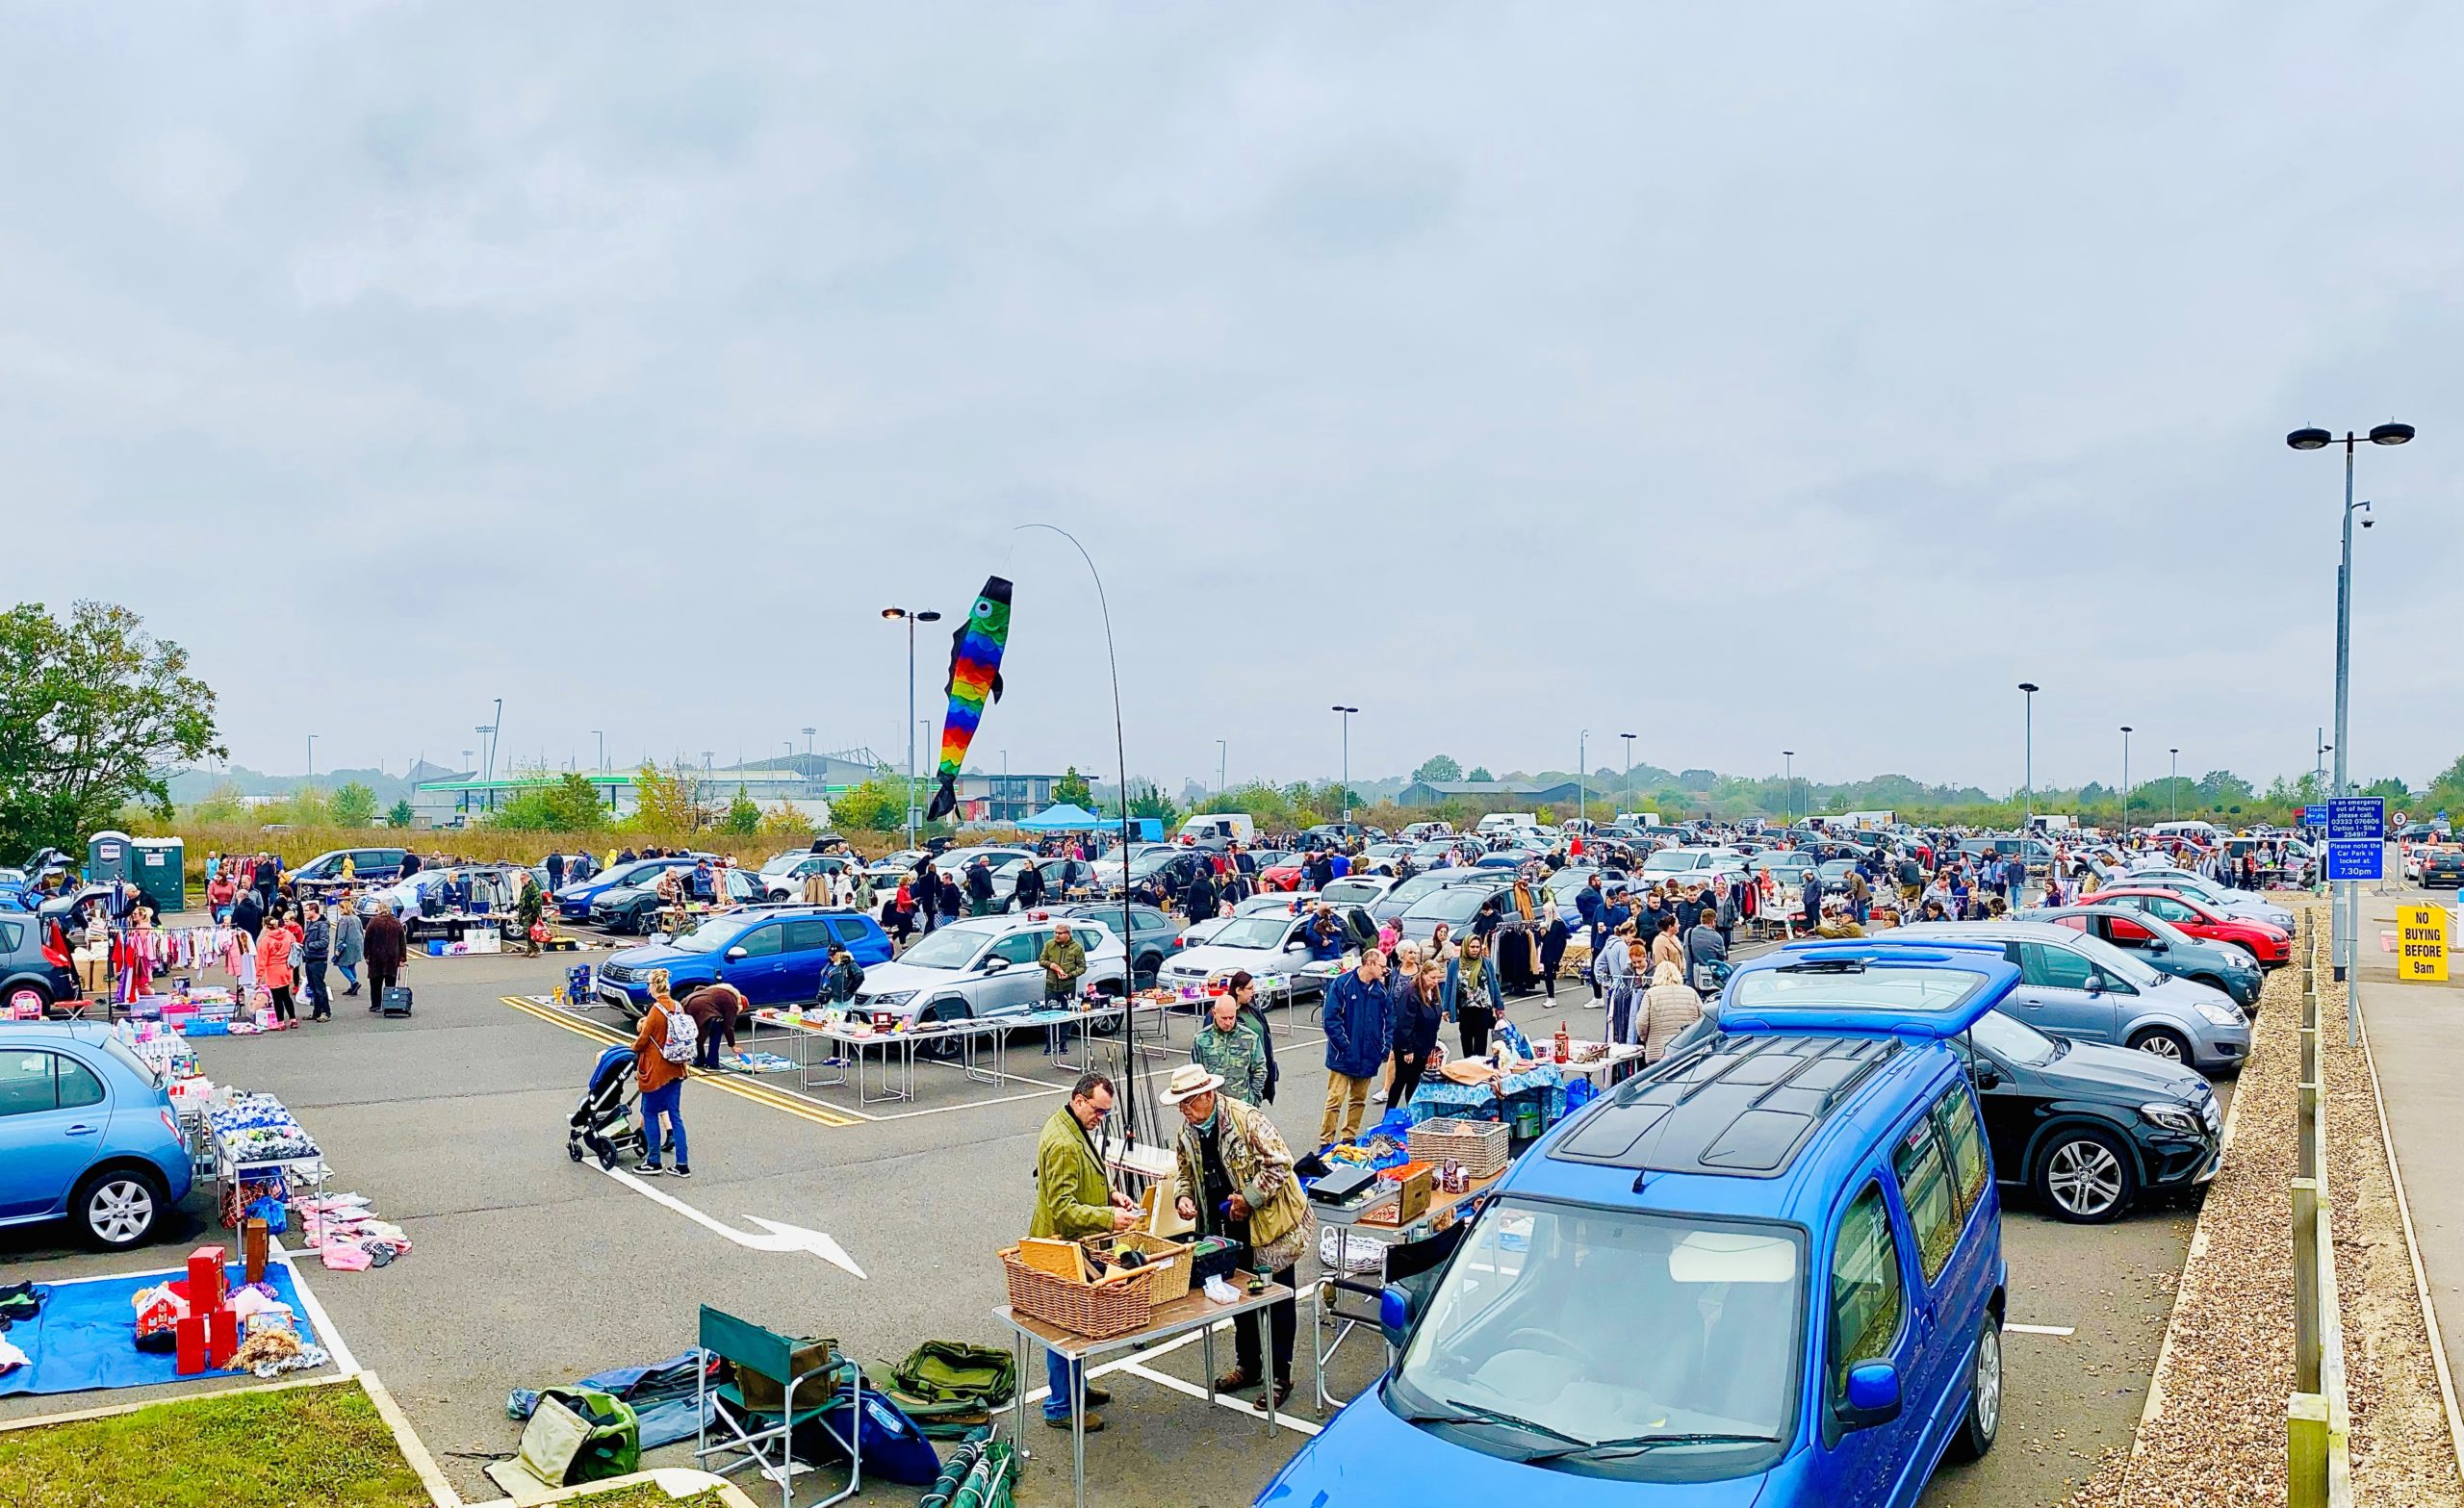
(1802, 381)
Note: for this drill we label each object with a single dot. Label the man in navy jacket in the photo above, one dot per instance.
(1357, 1035)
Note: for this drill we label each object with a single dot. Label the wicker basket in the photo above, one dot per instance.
(1095, 1311)
(1480, 1145)
(1169, 1261)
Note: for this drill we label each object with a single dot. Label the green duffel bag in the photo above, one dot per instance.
(947, 1387)
(580, 1436)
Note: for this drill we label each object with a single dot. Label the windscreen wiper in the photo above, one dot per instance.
(1474, 1414)
(1825, 966)
(1637, 1445)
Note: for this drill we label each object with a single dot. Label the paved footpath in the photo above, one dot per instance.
(2416, 1042)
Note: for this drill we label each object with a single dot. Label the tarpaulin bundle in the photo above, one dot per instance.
(979, 1474)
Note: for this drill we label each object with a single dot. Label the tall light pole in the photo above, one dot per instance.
(2125, 786)
(1629, 764)
(912, 618)
(312, 761)
(2312, 439)
(1583, 776)
(1223, 748)
(2028, 755)
(1347, 716)
(1788, 777)
(1006, 805)
(2176, 783)
(808, 733)
(600, 735)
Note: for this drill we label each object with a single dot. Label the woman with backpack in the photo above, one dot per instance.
(662, 1050)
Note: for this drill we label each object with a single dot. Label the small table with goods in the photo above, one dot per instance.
(256, 1144)
(1055, 1308)
(1398, 1209)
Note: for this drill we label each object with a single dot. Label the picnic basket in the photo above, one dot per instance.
(1097, 1311)
(1478, 1145)
(1170, 1260)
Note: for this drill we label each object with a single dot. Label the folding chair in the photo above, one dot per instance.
(760, 1433)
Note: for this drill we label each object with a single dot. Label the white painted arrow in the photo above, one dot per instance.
(773, 1235)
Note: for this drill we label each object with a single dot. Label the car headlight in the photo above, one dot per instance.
(2220, 1015)
(2173, 1118)
(896, 997)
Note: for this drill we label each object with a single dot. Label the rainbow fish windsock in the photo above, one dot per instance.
(975, 678)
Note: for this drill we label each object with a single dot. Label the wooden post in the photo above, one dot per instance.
(2305, 1451)
(2305, 1285)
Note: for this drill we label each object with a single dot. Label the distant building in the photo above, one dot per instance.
(1524, 794)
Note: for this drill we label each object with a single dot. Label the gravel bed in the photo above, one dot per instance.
(2215, 1430)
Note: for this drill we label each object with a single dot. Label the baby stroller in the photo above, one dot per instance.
(602, 1124)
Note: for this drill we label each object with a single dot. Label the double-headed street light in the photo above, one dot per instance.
(2312, 438)
(914, 617)
(1347, 717)
(1789, 780)
(2028, 755)
(2125, 786)
(2176, 783)
(1629, 764)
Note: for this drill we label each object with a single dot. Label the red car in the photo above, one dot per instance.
(2272, 946)
(1285, 875)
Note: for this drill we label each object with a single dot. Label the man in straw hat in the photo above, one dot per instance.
(1232, 1175)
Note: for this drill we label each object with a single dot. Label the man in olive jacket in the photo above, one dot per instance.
(1073, 1201)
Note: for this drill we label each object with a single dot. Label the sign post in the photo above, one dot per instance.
(2421, 944)
(2354, 822)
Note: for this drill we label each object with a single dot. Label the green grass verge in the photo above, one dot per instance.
(644, 1494)
(302, 1448)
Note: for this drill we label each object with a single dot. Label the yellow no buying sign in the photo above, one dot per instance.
(2421, 944)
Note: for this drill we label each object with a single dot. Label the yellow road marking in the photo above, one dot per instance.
(757, 1093)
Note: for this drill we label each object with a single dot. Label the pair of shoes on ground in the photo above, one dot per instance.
(682, 1171)
(1239, 1380)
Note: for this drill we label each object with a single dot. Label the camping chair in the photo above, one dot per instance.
(761, 1432)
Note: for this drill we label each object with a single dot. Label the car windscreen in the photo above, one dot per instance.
(1353, 892)
(1668, 861)
(2013, 1041)
(947, 949)
(1931, 988)
(1454, 906)
(2118, 962)
(710, 936)
(1691, 1372)
(1250, 931)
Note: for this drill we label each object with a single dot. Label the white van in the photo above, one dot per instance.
(1218, 829)
(1498, 822)
(2205, 834)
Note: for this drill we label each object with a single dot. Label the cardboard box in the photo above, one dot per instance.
(1413, 1182)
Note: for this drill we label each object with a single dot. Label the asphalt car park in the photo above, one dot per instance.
(528, 1268)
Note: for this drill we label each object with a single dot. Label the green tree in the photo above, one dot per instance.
(354, 806)
(876, 806)
(666, 800)
(222, 804)
(401, 815)
(95, 711)
(567, 804)
(1072, 788)
(1438, 768)
(1479, 772)
(1147, 800)
(743, 818)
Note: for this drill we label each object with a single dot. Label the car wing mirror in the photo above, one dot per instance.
(1987, 1076)
(738, 955)
(994, 965)
(1873, 1396)
(2096, 982)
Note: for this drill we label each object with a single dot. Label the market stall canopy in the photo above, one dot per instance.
(1064, 817)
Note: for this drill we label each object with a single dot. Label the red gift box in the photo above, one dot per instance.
(190, 1333)
(222, 1337)
(205, 1278)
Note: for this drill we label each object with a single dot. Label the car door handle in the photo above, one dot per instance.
(81, 1131)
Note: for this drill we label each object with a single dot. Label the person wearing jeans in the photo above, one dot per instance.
(316, 951)
(663, 1080)
(1073, 1201)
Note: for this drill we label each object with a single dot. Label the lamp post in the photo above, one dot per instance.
(600, 735)
(2176, 783)
(312, 761)
(1221, 747)
(1629, 764)
(1347, 716)
(487, 732)
(1789, 782)
(912, 618)
(2125, 786)
(2312, 438)
(2028, 754)
(1583, 776)
(808, 733)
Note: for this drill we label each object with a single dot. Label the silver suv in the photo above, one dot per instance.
(984, 966)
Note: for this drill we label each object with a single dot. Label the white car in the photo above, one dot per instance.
(1271, 902)
(782, 876)
(984, 966)
(1264, 943)
(1357, 890)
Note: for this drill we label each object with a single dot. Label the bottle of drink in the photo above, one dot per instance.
(1565, 1044)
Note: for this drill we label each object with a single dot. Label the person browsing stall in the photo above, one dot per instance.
(1232, 1174)
(1073, 1201)
(1064, 964)
(1357, 1033)
(1229, 1048)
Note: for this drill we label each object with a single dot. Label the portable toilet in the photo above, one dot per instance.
(108, 859)
(159, 868)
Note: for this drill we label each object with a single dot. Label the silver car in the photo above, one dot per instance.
(2089, 991)
(984, 966)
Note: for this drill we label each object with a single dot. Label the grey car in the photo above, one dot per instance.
(2089, 991)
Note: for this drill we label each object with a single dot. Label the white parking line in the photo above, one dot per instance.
(326, 1334)
(2057, 1330)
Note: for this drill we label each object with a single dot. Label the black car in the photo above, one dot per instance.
(2090, 1130)
(36, 970)
(1153, 936)
(2444, 869)
(634, 909)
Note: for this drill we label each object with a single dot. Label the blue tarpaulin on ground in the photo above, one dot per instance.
(85, 1336)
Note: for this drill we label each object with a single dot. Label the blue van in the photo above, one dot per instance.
(774, 955)
(1766, 1271)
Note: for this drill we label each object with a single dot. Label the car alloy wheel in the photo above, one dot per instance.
(1988, 1380)
(2085, 1179)
(2165, 1045)
(120, 1210)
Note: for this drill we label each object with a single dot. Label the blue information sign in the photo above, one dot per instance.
(2355, 858)
(2314, 815)
(2357, 817)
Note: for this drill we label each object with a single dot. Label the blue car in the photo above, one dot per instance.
(573, 901)
(1766, 1271)
(86, 1134)
(773, 953)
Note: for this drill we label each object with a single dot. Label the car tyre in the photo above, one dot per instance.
(118, 1208)
(1150, 967)
(2161, 1042)
(948, 1049)
(2085, 1176)
(1982, 1423)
